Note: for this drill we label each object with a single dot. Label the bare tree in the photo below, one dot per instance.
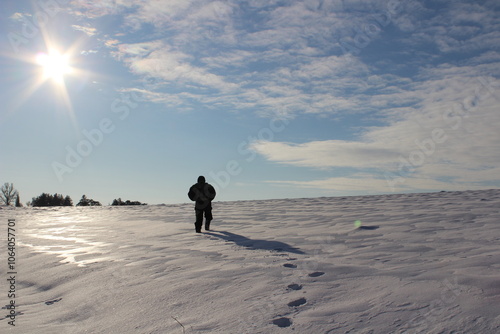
(8, 194)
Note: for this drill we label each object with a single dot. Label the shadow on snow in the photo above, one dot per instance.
(270, 245)
(370, 228)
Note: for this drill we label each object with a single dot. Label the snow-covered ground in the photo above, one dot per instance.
(419, 263)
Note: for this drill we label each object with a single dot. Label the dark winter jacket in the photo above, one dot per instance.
(203, 194)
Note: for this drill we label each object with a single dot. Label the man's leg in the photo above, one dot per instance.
(199, 220)
(208, 218)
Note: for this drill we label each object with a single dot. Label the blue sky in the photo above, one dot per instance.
(267, 99)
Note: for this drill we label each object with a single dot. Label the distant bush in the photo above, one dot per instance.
(88, 202)
(18, 202)
(127, 202)
(51, 200)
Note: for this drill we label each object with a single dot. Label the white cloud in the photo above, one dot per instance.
(171, 100)
(460, 27)
(156, 60)
(18, 16)
(87, 52)
(98, 8)
(485, 58)
(327, 154)
(453, 136)
(89, 31)
(137, 49)
(281, 63)
(331, 67)
(173, 66)
(231, 58)
(161, 12)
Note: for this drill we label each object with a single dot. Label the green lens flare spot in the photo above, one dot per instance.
(357, 223)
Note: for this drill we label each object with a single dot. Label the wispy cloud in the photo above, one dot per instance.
(19, 16)
(89, 31)
(157, 60)
(99, 8)
(279, 60)
(327, 154)
(452, 135)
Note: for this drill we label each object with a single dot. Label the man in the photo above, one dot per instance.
(203, 193)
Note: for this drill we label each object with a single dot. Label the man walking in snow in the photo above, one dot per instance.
(202, 193)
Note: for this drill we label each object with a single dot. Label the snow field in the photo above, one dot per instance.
(419, 263)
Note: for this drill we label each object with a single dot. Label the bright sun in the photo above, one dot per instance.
(54, 65)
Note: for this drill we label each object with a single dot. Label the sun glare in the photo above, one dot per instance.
(54, 65)
(49, 70)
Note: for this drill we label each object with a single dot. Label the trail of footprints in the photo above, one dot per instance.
(17, 313)
(283, 321)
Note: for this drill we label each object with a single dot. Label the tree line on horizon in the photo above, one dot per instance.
(51, 200)
(127, 202)
(9, 195)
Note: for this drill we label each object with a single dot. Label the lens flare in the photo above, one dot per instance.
(54, 65)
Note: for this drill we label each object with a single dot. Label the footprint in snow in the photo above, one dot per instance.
(290, 265)
(50, 302)
(297, 302)
(282, 322)
(295, 286)
(316, 274)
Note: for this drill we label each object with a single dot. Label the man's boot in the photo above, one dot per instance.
(197, 227)
(207, 225)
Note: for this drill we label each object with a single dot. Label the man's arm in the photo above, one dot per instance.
(210, 192)
(192, 194)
